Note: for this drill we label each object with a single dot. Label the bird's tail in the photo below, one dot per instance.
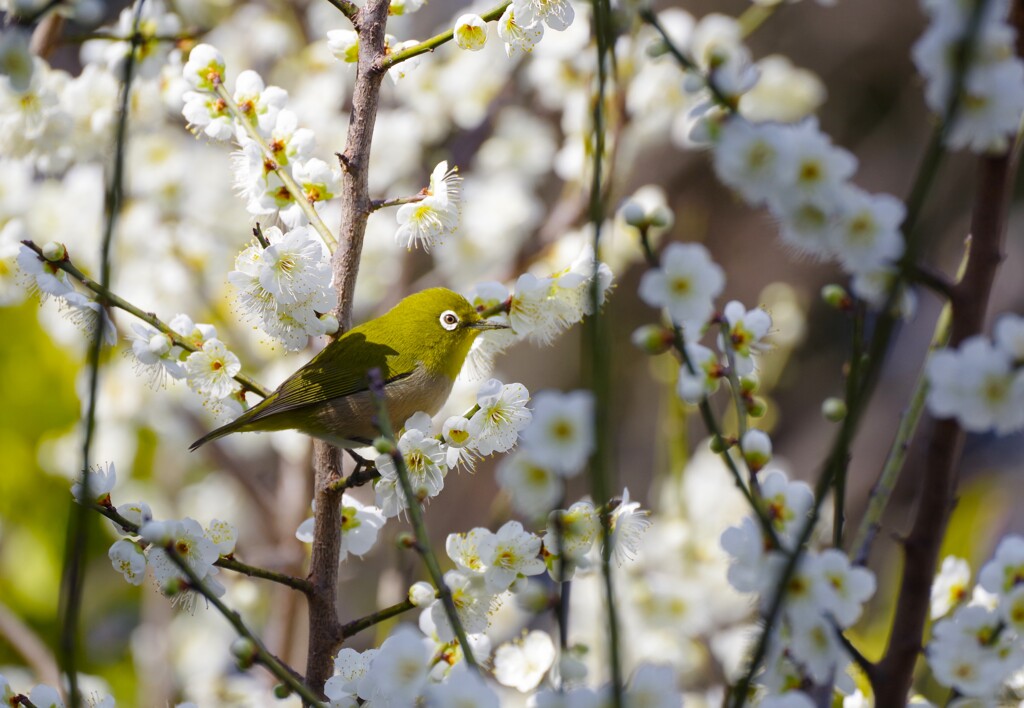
(214, 434)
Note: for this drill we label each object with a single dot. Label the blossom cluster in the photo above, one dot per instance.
(823, 596)
(686, 284)
(286, 286)
(977, 647)
(981, 382)
(989, 111)
(134, 553)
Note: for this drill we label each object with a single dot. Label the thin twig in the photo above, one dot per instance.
(24, 640)
(348, 8)
(429, 45)
(398, 201)
(882, 491)
(350, 629)
(708, 416)
(852, 386)
(285, 674)
(107, 297)
(77, 540)
(416, 517)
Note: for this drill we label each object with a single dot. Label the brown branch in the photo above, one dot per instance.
(324, 626)
(970, 299)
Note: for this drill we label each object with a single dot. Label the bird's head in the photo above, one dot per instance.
(439, 326)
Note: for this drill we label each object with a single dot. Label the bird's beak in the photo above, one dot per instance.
(486, 324)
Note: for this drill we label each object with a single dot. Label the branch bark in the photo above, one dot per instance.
(325, 630)
(970, 299)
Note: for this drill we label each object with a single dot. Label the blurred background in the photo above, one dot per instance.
(515, 130)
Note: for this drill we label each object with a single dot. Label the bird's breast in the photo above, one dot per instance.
(351, 417)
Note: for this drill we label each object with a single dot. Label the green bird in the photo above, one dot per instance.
(419, 347)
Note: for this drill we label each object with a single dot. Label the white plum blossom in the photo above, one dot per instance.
(156, 352)
(977, 385)
(349, 667)
(210, 371)
(258, 103)
(1006, 569)
(425, 462)
(204, 69)
(344, 45)
(428, 220)
(571, 533)
(786, 503)
(510, 553)
(129, 560)
(101, 481)
(561, 434)
(472, 601)
(686, 285)
(866, 234)
(462, 688)
(190, 542)
(950, 586)
(694, 387)
(556, 14)
(754, 159)
(470, 32)
(360, 525)
(747, 332)
(629, 523)
(465, 549)
(503, 414)
(522, 664)
(208, 113)
(87, 314)
(843, 588)
(746, 548)
(518, 37)
(1008, 334)
(397, 673)
(533, 487)
(542, 308)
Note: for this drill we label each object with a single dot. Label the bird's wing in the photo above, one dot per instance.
(332, 373)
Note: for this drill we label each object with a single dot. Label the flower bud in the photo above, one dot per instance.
(757, 449)
(834, 409)
(160, 344)
(633, 214)
(384, 446)
(174, 586)
(718, 445)
(456, 431)
(836, 296)
(656, 49)
(470, 32)
(757, 407)
(652, 339)
(405, 540)
(245, 650)
(281, 690)
(329, 322)
(749, 384)
(661, 217)
(54, 251)
(421, 594)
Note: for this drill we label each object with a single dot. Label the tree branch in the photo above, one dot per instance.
(350, 629)
(324, 626)
(945, 443)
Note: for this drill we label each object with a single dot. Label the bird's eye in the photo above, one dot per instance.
(449, 320)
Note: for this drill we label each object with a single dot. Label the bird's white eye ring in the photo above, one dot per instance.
(449, 320)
